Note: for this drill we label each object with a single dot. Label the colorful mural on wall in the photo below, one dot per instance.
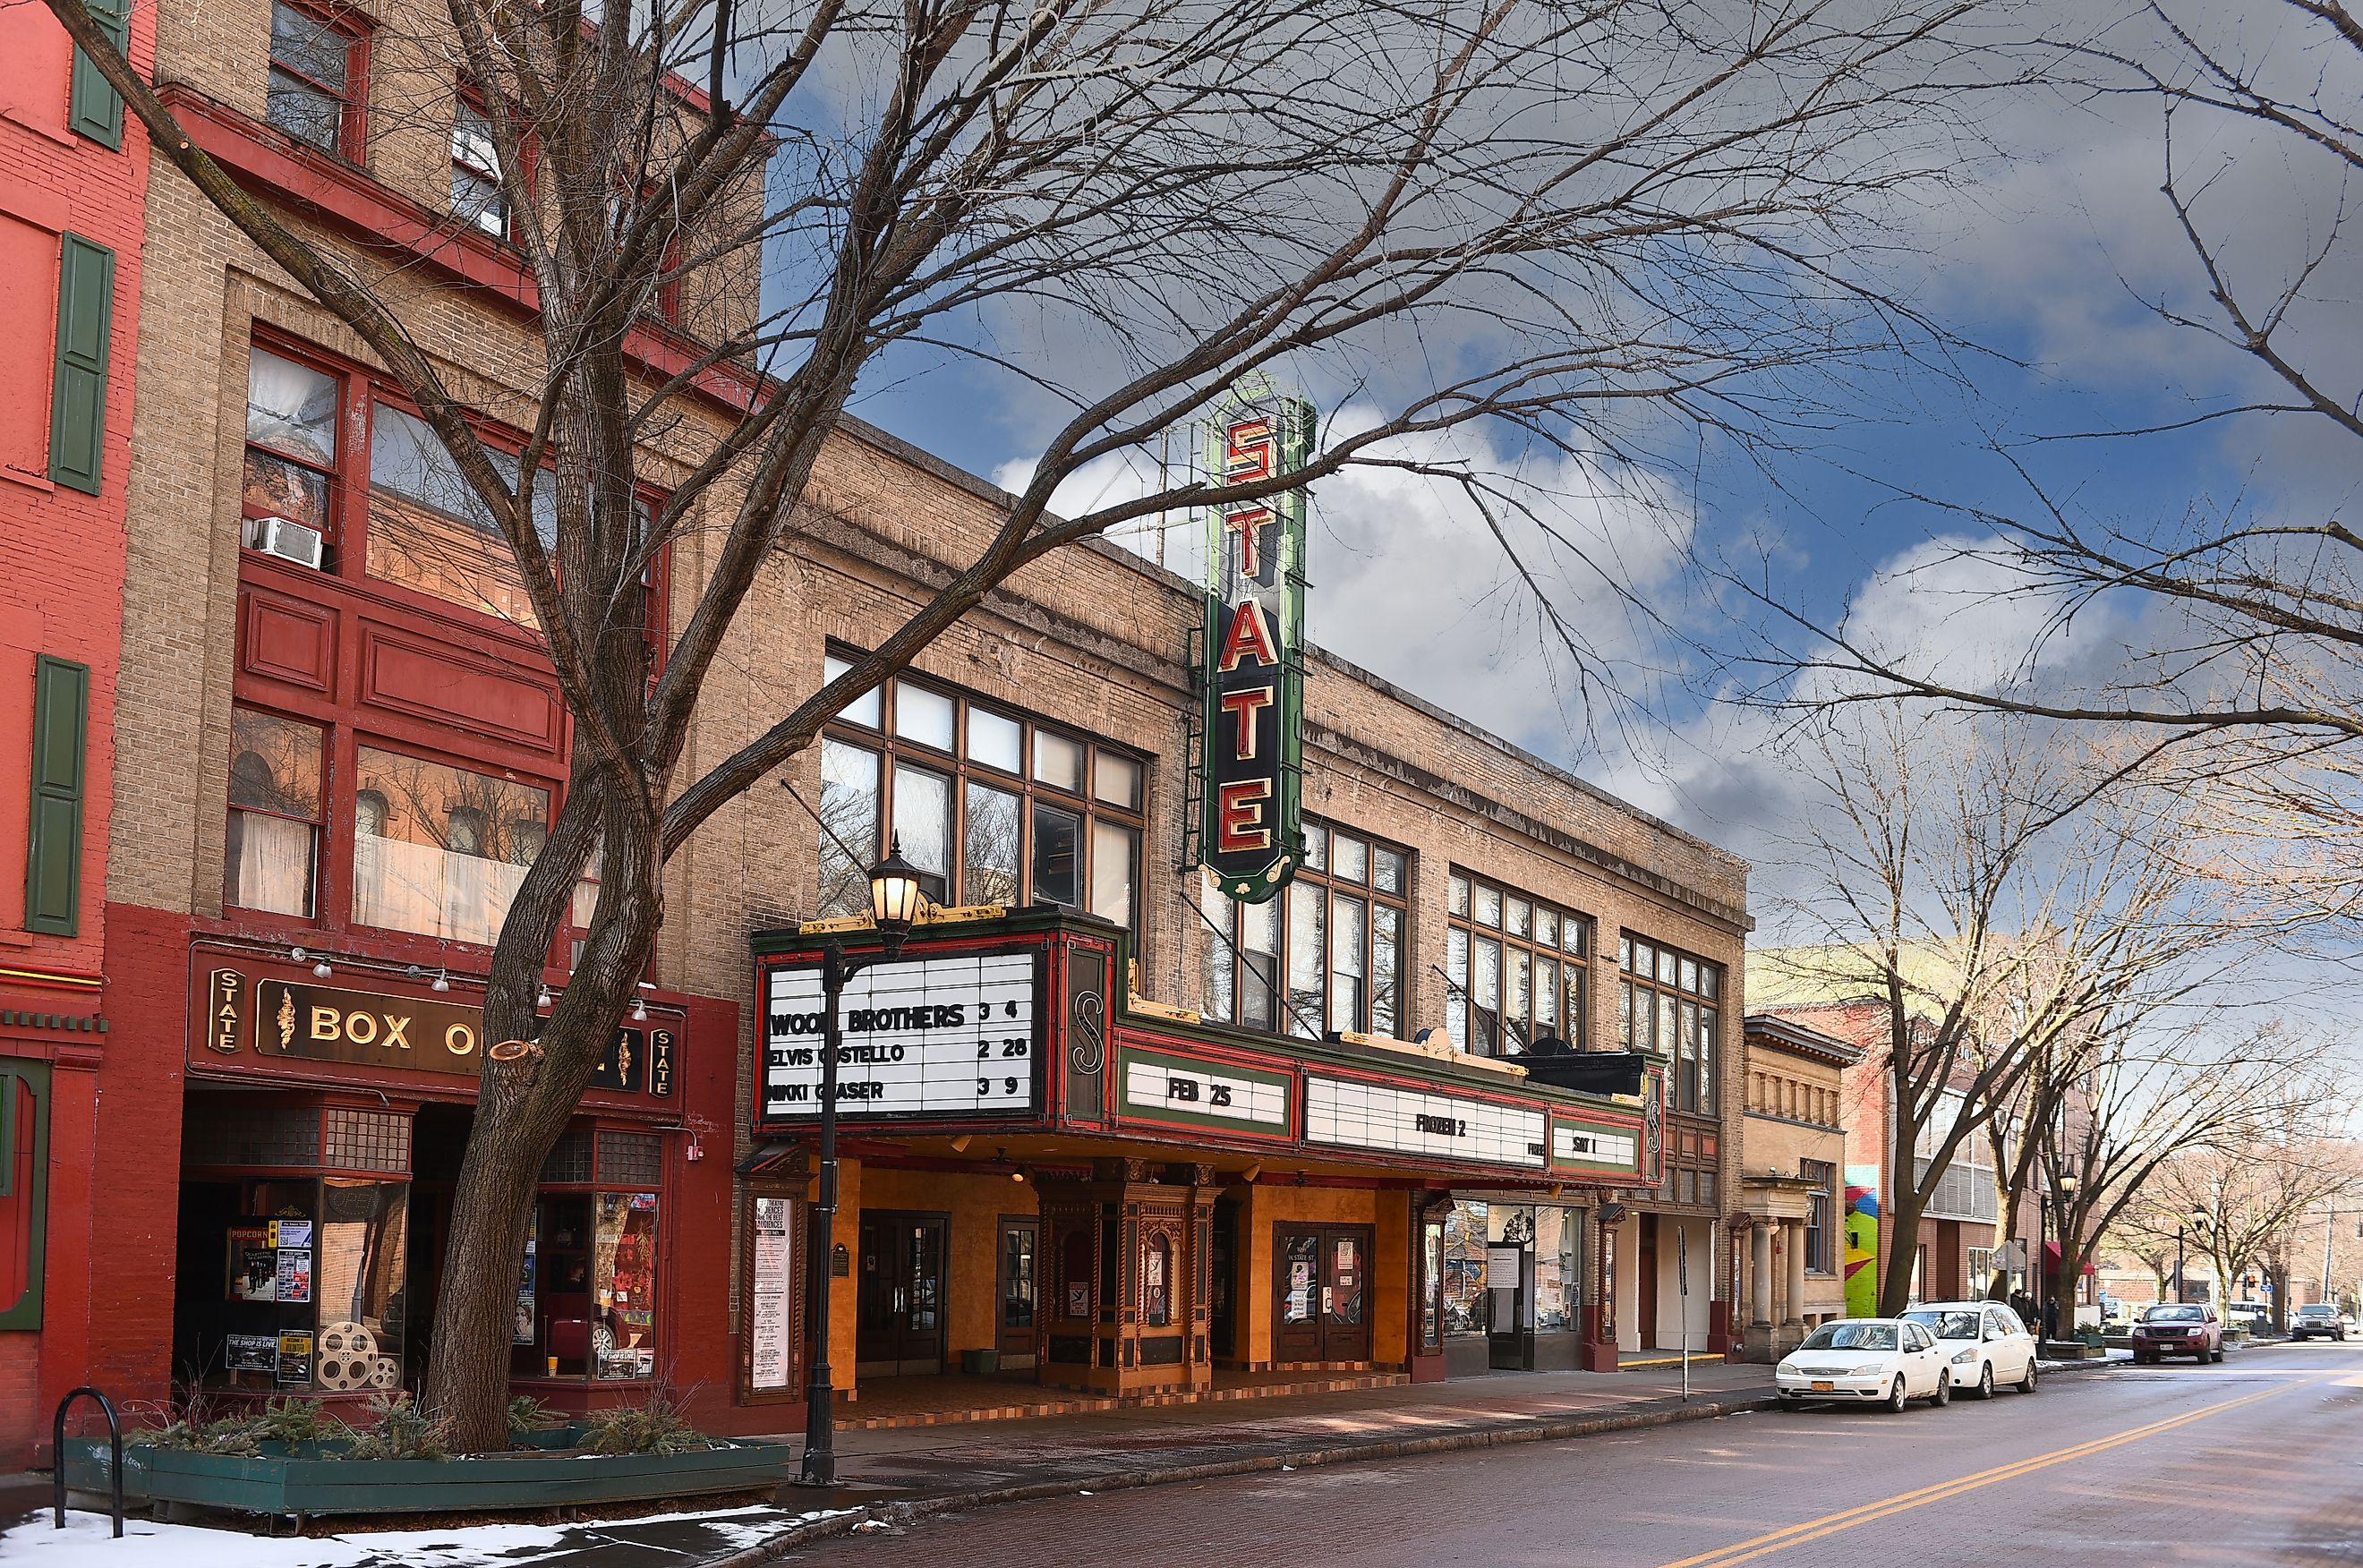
(1862, 1240)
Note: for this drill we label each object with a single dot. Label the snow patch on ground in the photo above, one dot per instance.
(87, 1542)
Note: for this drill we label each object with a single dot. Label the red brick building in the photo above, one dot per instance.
(74, 178)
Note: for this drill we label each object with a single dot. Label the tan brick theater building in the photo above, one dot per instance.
(1215, 1140)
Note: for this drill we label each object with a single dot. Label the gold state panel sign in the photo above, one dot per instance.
(326, 1023)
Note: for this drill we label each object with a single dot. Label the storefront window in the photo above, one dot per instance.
(1558, 1269)
(275, 816)
(623, 1280)
(440, 850)
(1340, 927)
(1004, 810)
(314, 1284)
(587, 1303)
(1465, 1308)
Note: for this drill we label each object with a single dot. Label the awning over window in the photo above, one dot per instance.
(2052, 1261)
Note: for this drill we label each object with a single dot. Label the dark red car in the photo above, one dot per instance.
(2179, 1329)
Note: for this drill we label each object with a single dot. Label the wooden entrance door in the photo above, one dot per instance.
(1020, 1294)
(899, 1314)
(1321, 1281)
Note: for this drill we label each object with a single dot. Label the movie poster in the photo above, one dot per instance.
(251, 1266)
(294, 1359)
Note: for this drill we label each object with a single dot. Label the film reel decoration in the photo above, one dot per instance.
(348, 1358)
(384, 1372)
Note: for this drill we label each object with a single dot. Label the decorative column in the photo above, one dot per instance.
(1759, 1275)
(1793, 1315)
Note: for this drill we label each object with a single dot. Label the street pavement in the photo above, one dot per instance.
(2255, 1460)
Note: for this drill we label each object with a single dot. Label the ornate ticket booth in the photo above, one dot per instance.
(1132, 1247)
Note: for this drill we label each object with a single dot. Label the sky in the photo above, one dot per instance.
(2046, 261)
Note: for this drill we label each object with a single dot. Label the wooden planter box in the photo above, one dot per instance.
(306, 1479)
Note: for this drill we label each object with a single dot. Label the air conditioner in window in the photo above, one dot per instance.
(285, 539)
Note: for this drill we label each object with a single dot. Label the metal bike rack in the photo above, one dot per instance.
(58, 1452)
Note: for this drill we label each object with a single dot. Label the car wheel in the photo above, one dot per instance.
(1896, 1398)
(2027, 1383)
(1944, 1394)
(1985, 1381)
(2218, 1356)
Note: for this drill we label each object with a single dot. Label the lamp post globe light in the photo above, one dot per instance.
(895, 901)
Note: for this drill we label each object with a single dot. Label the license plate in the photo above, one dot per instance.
(1825, 1388)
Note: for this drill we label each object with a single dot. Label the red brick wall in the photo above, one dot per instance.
(62, 568)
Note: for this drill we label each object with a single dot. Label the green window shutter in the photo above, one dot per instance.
(78, 387)
(24, 1205)
(97, 108)
(53, 865)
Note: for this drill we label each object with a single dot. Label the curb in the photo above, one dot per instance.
(1301, 1459)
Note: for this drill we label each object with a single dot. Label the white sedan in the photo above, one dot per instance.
(1885, 1361)
(1984, 1343)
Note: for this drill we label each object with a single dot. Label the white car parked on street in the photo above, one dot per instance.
(1984, 1343)
(1883, 1361)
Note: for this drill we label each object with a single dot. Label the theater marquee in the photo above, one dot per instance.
(1253, 670)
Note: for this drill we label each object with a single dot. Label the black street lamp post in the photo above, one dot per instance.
(895, 900)
(2198, 1222)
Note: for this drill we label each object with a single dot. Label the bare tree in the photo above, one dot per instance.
(2249, 1201)
(2134, 1100)
(1975, 891)
(2251, 653)
(1583, 224)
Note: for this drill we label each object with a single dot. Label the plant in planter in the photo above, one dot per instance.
(657, 1427)
(528, 1415)
(399, 1429)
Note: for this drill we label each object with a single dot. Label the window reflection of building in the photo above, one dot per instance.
(441, 850)
(1326, 956)
(1552, 1231)
(1005, 809)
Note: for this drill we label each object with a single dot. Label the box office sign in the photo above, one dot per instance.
(1362, 1115)
(945, 1034)
(1254, 673)
(286, 1019)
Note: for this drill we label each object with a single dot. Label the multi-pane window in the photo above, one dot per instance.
(1820, 1204)
(291, 456)
(478, 196)
(1004, 809)
(1514, 969)
(317, 67)
(1668, 1002)
(406, 517)
(1325, 954)
(274, 813)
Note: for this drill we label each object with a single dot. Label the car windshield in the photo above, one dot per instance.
(1851, 1336)
(2317, 1312)
(2171, 1315)
(1947, 1325)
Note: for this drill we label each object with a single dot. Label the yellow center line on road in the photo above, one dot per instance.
(1830, 1524)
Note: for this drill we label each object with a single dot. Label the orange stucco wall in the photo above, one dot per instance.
(971, 1286)
(1388, 1213)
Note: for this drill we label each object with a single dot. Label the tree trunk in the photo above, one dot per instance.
(526, 1100)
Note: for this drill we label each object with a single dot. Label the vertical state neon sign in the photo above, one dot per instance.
(1254, 674)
